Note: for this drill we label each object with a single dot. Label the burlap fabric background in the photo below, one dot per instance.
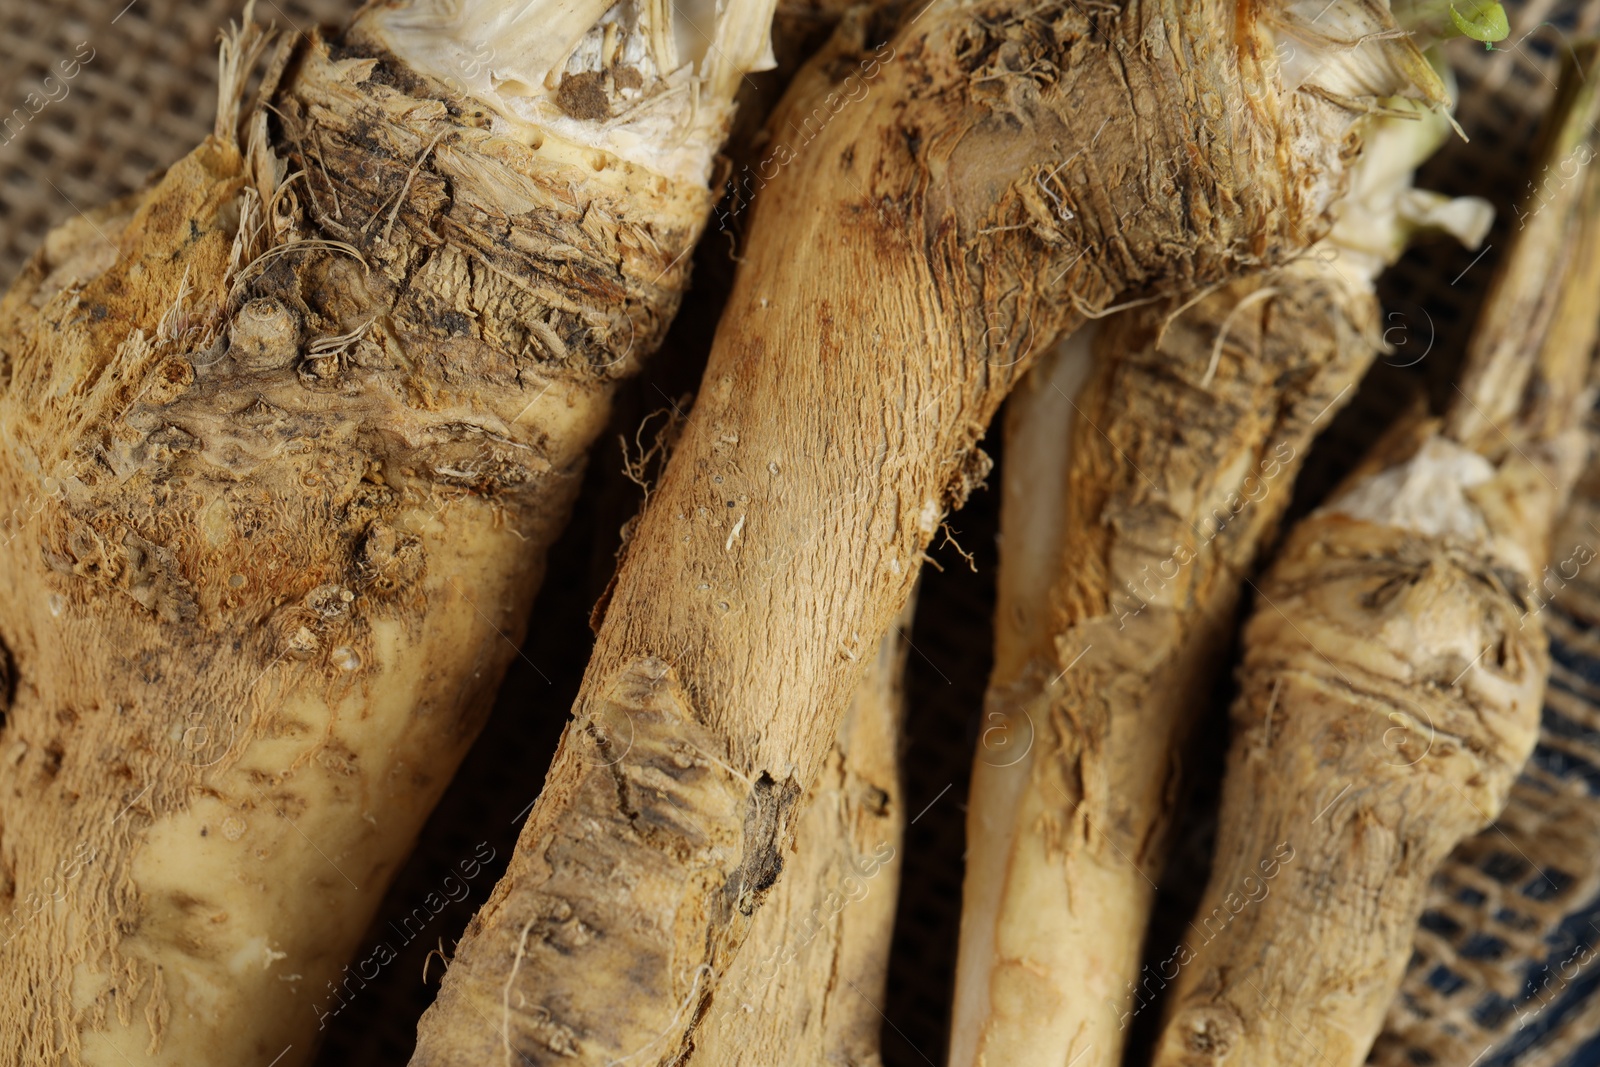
(142, 94)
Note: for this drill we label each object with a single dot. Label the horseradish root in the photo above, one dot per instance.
(1125, 546)
(1007, 170)
(1507, 940)
(283, 440)
(1393, 669)
(805, 988)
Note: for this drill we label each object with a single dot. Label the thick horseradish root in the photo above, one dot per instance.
(1501, 962)
(913, 253)
(1393, 669)
(1125, 547)
(283, 440)
(806, 986)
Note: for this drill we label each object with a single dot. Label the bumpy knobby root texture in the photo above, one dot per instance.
(1390, 693)
(1509, 916)
(808, 985)
(1116, 637)
(283, 440)
(1134, 508)
(993, 172)
(1393, 672)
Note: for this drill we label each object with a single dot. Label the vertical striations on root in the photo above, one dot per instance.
(923, 243)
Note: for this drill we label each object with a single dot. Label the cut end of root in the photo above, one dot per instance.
(1206, 1035)
(646, 81)
(1428, 494)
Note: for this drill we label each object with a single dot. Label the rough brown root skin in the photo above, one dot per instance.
(1132, 596)
(1550, 834)
(282, 443)
(655, 817)
(1391, 686)
(1390, 693)
(1393, 674)
(806, 985)
(838, 421)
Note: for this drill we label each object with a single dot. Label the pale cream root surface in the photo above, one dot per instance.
(1039, 423)
(1552, 823)
(1104, 667)
(283, 440)
(1390, 694)
(1119, 580)
(1392, 680)
(809, 984)
(923, 245)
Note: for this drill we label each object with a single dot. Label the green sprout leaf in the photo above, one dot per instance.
(1487, 23)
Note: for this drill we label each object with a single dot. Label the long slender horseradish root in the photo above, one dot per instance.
(1134, 507)
(1393, 667)
(283, 440)
(918, 242)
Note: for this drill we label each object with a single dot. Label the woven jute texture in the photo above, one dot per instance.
(137, 91)
(1504, 967)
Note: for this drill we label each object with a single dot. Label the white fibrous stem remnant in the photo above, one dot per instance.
(646, 81)
(1427, 494)
(1382, 211)
(1446, 490)
(1350, 51)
